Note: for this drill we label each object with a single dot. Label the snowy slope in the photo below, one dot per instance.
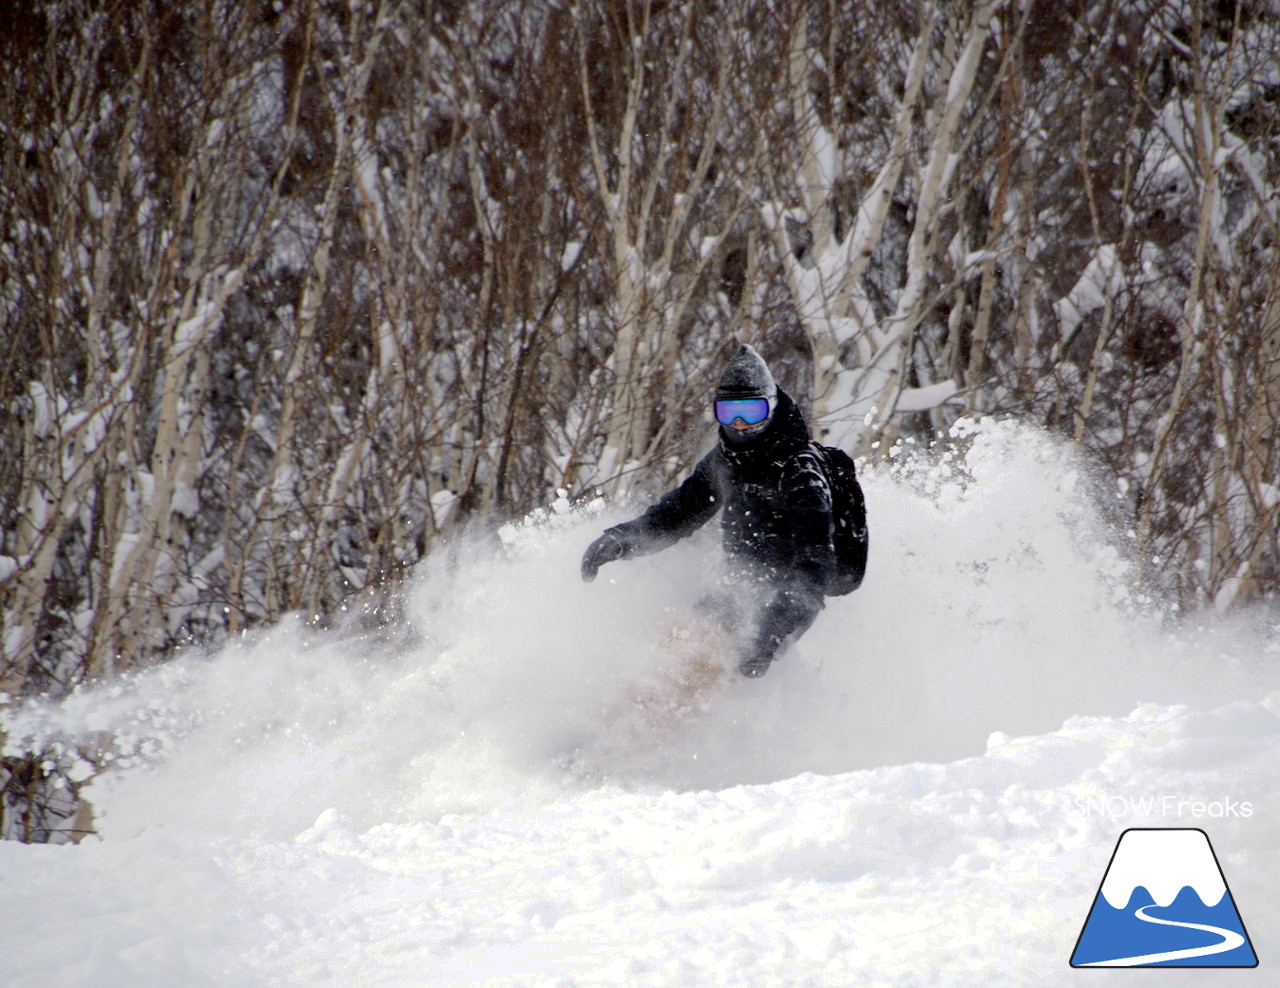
(925, 791)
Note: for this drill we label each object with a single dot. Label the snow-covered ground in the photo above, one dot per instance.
(925, 791)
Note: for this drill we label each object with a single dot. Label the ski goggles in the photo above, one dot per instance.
(752, 411)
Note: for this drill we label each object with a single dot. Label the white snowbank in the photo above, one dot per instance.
(926, 790)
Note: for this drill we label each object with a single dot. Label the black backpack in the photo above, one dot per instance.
(849, 512)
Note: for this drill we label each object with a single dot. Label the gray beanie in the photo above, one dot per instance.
(747, 376)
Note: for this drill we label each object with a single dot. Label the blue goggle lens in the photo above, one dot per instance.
(753, 411)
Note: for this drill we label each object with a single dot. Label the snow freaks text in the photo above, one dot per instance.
(1165, 805)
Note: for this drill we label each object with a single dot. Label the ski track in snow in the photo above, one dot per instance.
(1230, 941)
(904, 800)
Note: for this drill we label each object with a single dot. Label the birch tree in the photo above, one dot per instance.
(1225, 517)
(862, 356)
(666, 197)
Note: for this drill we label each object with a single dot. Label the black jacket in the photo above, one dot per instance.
(776, 520)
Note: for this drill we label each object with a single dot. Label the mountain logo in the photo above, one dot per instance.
(1163, 902)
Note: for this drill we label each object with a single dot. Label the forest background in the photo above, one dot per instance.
(290, 291)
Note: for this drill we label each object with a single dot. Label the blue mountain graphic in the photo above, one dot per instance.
(1110, 934)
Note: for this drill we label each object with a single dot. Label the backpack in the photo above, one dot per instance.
(849, 515)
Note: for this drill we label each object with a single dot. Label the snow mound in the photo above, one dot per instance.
(924, 790)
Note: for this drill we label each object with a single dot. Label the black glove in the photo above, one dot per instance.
(603, 550)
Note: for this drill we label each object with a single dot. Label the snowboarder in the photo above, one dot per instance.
(777, 527)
